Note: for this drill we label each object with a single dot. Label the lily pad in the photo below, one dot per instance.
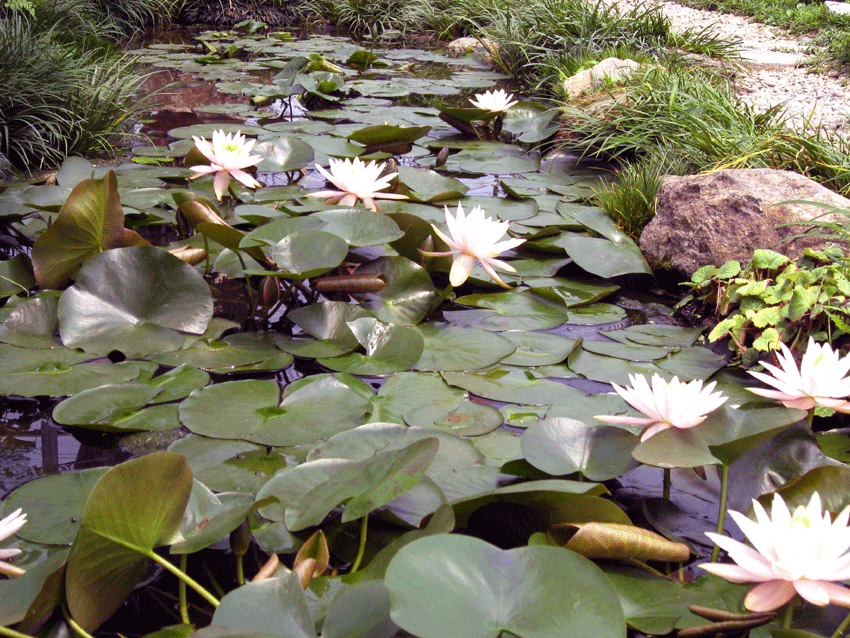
(502, 591)
(119, 302)
(252, 410)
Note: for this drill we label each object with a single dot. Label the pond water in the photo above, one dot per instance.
(496, 388)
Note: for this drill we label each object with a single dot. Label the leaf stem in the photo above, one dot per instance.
(666, 483)
(11, 633)
(440, 299)
(364, 523)
(721, 514)
(73, 623)
(181, 591)
(183, 576)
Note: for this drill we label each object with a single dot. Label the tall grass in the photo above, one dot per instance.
(58, 98)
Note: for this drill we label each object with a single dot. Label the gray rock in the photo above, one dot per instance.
(727, 214)
(610, 69)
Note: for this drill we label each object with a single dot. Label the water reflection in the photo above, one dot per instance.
(34, 446)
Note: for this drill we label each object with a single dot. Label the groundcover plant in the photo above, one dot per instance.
(379, 447)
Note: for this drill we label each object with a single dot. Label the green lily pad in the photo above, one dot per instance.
(229, 466)
(233, 353)
(563, 446)
(308, 253)
(118, 302)
(359, 227)
(408, 295)
(514, 386)
(467, 419)
(406, 391)
(502, 591)
(537, 348)
(133, 508)
(16, 276)
(275, 607)
(455, 348)
(364, 485)
(54, 505)
(252, 410)
(283, 154)
(89, 222)
(389, 348)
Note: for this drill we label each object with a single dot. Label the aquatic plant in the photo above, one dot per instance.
(227, 155)
(804, 553)
(357, 180)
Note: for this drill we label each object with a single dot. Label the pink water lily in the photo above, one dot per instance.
(802, 553)
(494, 101)
(8, 526)
(356, 180)
(228, 155)
(821, 379)
(475, 238)
(666, 405)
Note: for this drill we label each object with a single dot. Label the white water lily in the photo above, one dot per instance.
(494, 101)
(356, 180)
(804, 553)
(666, 405)
(475, 238)
(8, 526)
(820, 380)
(228, 155)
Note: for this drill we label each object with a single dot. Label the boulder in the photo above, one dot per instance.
(609, 70)
(727, 214)
(462, 46)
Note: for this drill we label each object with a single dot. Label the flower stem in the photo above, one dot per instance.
(240, 573)
(842, 627)
(181, 591)
(440, 299)
(364, 522)
(810, 417)
(721, 514)
(787, 614)
(666, 482)
(183, 576)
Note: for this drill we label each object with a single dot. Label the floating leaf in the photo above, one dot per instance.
(562, 446)
(119, 302)
(252, 410)
(501, 591)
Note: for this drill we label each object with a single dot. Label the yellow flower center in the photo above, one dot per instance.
(801, 517)
(230, 148)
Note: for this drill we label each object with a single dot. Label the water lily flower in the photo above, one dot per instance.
(666, 405)
(494, 101)
(804, 553)
(820, 380)
(228, 155)
(356, 180)
(475, 238)
(8, 526)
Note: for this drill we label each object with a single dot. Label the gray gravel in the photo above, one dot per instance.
(773, 73)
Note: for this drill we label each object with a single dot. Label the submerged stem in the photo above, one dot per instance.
(183, 576)
(240, 573)
(364, 522)
(666, 482)
(721, 514)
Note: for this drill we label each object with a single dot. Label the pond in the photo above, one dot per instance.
(315, 380)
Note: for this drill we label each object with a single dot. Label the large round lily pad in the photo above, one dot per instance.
(252, 410)
(137, 300)
(530, 592)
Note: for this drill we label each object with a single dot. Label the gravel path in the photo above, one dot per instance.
(773, 74)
